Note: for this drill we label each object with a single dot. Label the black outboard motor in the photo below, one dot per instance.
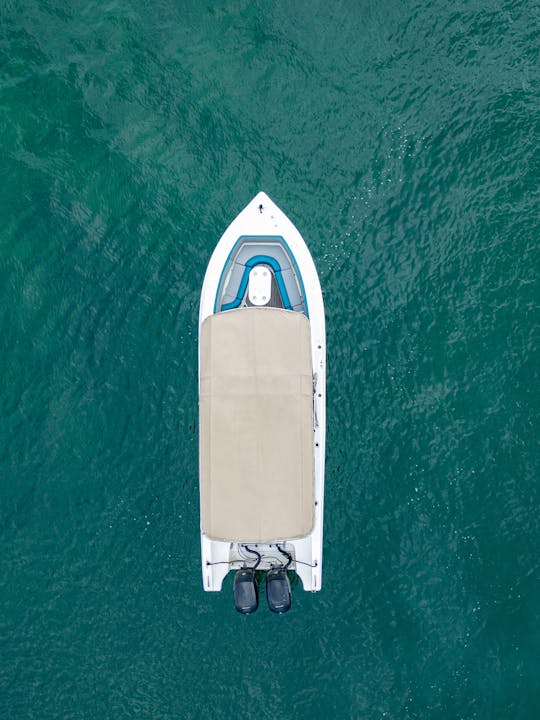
(278, 590)
(246, 599)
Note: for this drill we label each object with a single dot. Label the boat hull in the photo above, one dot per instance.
(262, 230)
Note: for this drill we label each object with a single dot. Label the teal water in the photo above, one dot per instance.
(402, 139)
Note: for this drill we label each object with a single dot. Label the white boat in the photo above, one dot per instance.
(262, 400)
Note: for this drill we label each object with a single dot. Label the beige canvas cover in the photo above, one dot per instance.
(256, 425)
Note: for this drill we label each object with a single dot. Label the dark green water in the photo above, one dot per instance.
(402, 139)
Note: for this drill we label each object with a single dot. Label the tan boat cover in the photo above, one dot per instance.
(256, 425)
